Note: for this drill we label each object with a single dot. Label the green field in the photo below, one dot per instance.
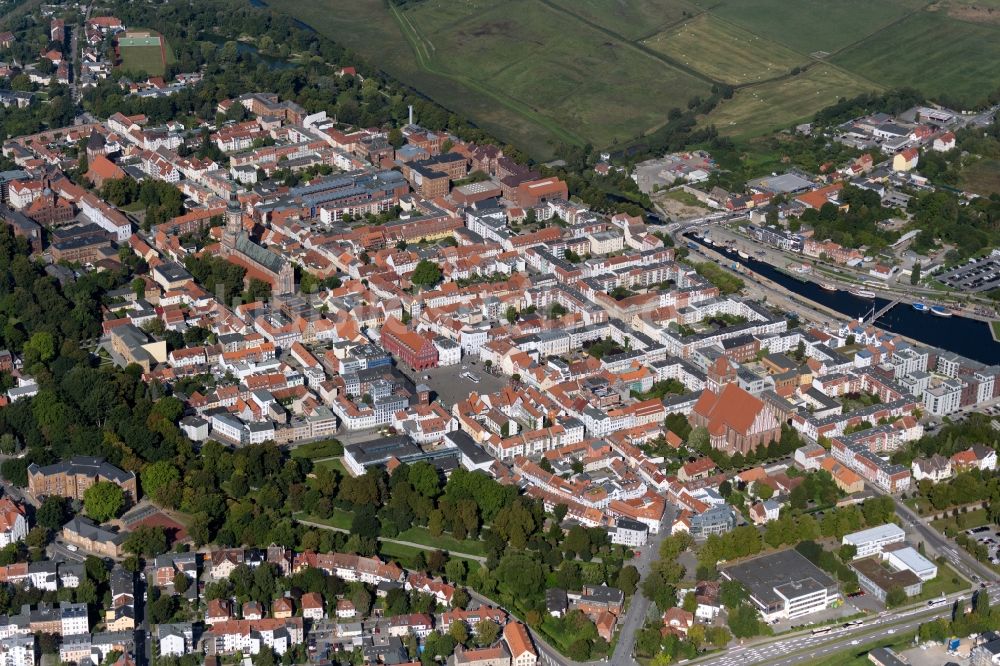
(808, 26)
(971, 519)
(538, 73)
(526, 71)
(954, 58)
(145, 54)
(582, 82)
(725, 52)
(946, 582)
(634, 19)
(982, 177)
(780, 104)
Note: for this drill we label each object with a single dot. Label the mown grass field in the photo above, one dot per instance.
(808, 26)
(149, 59)
(780, 104)
(143, 58)
(725, 51)
(955, 58)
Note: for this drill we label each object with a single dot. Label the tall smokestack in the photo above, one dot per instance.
(411, 114)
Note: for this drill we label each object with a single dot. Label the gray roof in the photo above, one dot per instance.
(787, 572)
(88, 465)
(269, 260)
(90, 530)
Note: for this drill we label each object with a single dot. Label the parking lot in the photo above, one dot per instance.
(452, 383)
(989, 536)
(981, 275)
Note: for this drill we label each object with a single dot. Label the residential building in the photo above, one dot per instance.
(71, 478)
(13, 523)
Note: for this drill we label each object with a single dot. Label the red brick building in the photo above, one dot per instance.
(410, 347)
(737, 422)
(533, 192)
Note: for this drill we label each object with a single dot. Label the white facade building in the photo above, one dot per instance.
(873, 540)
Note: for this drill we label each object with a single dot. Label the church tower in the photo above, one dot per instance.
(234, 220)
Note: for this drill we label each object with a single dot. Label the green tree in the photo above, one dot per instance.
(158, 477)
(459, 632)
(103, 500)
(181, 582)
(395, 137)
(628, 579)
(426, 275)
(895, 597)
(146, 540)
(915, 273)
(487, 632)
(41, 347)
(52, 514)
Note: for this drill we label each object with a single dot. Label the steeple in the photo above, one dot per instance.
(234, 219)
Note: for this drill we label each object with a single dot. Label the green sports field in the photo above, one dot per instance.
(144, 54)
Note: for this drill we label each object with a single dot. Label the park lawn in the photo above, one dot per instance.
(632, 20)
(340, 519)
(406, 555)
(724, 51)
(955, 59)
(781, 104)
(327, 448)
(946, 582)
(995, 325)
(423, 536)
(982, 176)
(918, 504)
(335, 464)
(972, 519)
(809, 26)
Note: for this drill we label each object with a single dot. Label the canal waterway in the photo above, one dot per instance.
(969, 337)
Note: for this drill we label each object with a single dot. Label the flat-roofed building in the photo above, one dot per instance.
(784, 585)
(879, 578)
(874, 539)
(901, 556)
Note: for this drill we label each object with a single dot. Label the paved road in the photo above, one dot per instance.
(635, 616)
(963, 562)
(806, 647)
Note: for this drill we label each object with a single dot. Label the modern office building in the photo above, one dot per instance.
(873, 540)
(784, 585)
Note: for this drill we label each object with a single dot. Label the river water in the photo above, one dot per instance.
(969, 337)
